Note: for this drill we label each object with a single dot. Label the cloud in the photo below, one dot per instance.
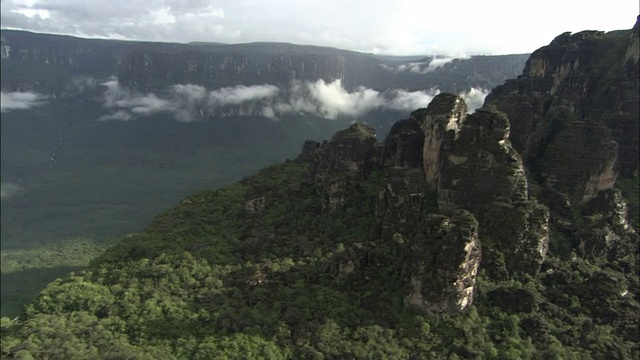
(474, 98)
(121, 97)
(330, 100)
(79, 84)
(441, 61)
(8, 190)
(409, 101)
(241, 94)
(20, 100)
(186, 102)
(388, 27)
(120, 115)
(422, 67)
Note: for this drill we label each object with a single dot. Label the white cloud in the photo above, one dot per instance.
(188, 102)
(409, 101)
(474, 98)
(33, 13)
(8, 190)
(80, 84)
(423, 67)
(402, 27)
(120, 115)
(241, 94)
(441, 61)
(19, 100)
(331, 100)
(121, 97)
(185, 101)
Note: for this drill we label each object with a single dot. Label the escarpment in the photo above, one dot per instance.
(577, 109)
(574, 116)
(450, 195)
(533, 168)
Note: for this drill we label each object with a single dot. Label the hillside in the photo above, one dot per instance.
(499, 234)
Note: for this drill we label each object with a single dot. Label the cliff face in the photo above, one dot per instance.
(574, 116)
(577, 99)
(439, 161)
(147, 66)
(544, 148)
(337, 166)
(152, 66)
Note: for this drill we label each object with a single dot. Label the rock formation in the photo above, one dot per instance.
(495, 185)
(574, 116)
(350, 156)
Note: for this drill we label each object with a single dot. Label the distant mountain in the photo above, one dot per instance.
(500, 234)
(44, 63)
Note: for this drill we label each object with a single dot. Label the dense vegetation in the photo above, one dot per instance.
(214, 278)
(111, 179)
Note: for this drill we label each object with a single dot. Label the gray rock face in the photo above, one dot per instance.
(403, 145)
(569, 89)
(516, 236)
(482, 173)
(575, 119)
(480, 165)
(148, 66)
(446, 113)
(607, 231)
(455, 189)
(335, 166)
(467, 166)
(581, 162)
(444, 261)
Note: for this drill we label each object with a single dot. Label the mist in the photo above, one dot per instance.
(329, 100)
(8, 190)
(20, 100)
(474, 98)
(79, 84)
(186, 102)
(422, 67)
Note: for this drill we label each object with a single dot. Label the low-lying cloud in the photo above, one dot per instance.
(20, 100)
(79, 84)
(241, 94)
(330, 100)
(186, 102)
(8, 190)
(420, 67)
(474, 98)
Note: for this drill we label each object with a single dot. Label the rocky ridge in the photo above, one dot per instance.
(543, 137)
(147, 66)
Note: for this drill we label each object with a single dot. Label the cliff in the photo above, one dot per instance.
(44, 63)
(574, 119)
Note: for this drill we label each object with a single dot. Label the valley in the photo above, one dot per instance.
(75, 178)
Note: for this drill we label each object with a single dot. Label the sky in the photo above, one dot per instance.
(393, 27)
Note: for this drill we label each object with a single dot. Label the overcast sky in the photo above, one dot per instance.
(398, 27)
